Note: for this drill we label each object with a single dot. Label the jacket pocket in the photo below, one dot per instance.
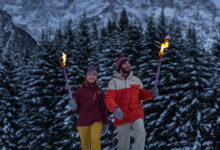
(134, 93)
(134, 97)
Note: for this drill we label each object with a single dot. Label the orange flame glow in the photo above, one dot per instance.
(63, 63)
(163, 46)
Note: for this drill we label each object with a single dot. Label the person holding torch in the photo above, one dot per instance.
(93, 118)
(123, 98)
(89, 102)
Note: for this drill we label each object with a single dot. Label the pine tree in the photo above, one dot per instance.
(192, 105)
(103, 57)
(93, 60)
(148, 59)
(109, 51)
(135, 43)
(4, 106)
(170, 91)
(47, 122)
(83, 48)
(124, 21)
(71, 49)
(162, 26)
(124, 33)
(216, 86)
(58, 40)
(64, 122)
(10, 102)
(37, 98)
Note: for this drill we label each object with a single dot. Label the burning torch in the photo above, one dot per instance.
(63, 63)
(163, 46)
(72, 102)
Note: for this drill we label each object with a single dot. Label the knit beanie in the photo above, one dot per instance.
(92, 70)
(119, 62)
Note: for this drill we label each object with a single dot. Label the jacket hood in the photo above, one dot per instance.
(119, 76)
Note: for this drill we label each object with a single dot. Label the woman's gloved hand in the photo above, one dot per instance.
(72, 104)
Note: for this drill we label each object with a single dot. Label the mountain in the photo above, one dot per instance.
(13, 39)
(35, 15)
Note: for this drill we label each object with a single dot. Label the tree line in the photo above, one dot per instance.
(34, 98)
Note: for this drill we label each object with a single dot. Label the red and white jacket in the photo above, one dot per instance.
(127, 95)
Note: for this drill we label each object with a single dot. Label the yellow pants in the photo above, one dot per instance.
(90, 134)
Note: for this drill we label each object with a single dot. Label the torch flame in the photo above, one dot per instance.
(163, 46)
(63, 63)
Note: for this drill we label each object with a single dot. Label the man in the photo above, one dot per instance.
(123, 98)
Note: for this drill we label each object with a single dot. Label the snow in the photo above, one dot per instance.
(189, 13)
(218, 120)
(170, 119)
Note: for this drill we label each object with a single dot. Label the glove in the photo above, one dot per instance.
(72, 104)
(154, 90)
(118, 113)
(105, 128)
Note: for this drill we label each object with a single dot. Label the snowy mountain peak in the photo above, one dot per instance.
(13, 38)
(33, 16)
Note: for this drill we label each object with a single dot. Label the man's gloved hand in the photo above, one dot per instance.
(118, 113)
(105, 128)
(154, 90)
(72, 104)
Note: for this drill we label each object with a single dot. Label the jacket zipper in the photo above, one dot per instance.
(94, 98)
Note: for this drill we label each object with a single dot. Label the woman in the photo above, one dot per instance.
(90, 103)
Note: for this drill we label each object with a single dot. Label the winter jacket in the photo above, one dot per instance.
(90, 100)
(126, 94)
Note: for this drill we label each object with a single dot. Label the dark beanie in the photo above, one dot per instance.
(119, 62)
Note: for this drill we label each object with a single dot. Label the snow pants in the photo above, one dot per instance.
(90, 135)
(124, 131)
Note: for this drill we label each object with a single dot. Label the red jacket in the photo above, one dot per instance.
(90, 100)
(127, 95)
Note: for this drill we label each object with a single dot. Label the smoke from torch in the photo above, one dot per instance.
(63, 64)
(163, 46)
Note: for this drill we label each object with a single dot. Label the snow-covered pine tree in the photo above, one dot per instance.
(58, 40)
(170, 91)
(159, 122)
(123, 20)
(41, 97)
(36, 102)
(148, 67)
(93, 60)
(102, 70)
(10, 101)
(71, 49)
(124, 33)
(25, 108)
(64, 125)
(162, 26)
(135, 38)
(109, 51)
(29, 97)
(5, 117)
(148, 57)
(4, 94)
(216, 86)
(83, 47)
(191, 104)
